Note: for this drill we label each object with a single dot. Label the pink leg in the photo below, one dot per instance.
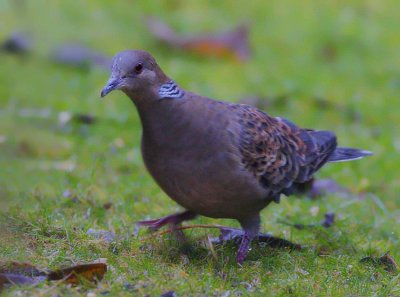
(244, 248)
(174, 220)
(251, 226)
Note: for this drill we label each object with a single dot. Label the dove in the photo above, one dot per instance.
(214, 158)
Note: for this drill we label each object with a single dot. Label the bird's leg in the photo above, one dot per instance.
(251, 227)
(174, 220)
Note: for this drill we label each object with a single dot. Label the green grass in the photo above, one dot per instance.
(43, 226)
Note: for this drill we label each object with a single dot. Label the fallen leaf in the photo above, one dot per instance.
(93, 272)
(221, 44)
(15, 273)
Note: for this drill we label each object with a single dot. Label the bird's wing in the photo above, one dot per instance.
(278, 152)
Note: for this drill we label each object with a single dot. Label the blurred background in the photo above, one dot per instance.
(323, 64)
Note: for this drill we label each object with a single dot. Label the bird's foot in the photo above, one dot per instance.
(239, 236)
(174, 220)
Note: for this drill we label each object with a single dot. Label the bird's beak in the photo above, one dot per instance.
(112, 84)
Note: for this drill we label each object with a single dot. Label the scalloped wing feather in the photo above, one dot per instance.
(278, 152)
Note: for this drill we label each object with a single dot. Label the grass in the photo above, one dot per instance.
(55, 179)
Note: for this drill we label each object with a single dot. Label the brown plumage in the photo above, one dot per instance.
(214, 158)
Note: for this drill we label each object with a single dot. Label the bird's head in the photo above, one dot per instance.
(134, 72)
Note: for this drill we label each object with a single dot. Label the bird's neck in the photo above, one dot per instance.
(161, 117)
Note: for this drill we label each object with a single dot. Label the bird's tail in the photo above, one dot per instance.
(342, 154)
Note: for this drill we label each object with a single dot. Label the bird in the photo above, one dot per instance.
(214, 158)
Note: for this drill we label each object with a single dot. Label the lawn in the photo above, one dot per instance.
(323, 64)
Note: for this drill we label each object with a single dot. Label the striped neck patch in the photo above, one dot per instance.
(170, 90)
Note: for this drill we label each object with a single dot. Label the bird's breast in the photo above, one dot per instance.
(203, 176)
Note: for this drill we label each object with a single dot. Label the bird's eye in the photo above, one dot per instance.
(138, 68)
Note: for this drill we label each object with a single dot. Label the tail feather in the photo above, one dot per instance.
(342, 154)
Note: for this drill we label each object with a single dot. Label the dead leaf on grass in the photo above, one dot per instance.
(232, 43)
(15, 273)
(93, 272)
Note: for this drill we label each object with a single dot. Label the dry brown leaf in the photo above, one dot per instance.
(15, 273)
(233, 43)
(72, 275)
